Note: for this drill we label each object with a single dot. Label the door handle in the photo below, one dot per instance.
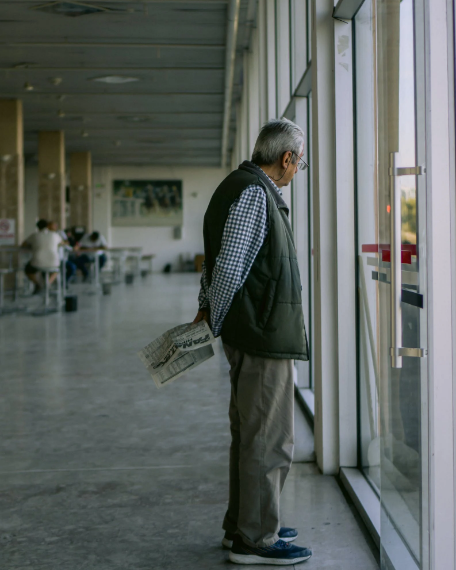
(397, 350)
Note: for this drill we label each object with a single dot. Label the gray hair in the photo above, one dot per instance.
(276, 138)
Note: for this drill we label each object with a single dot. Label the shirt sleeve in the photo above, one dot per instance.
(245, 230)
(85, 242)
(203, 301)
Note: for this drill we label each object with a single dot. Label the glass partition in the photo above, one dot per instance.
(298, 14)
(391, 197)
(283, 71)
(301, 230)
(367, 232)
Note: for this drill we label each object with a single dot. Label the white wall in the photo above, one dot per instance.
(198, 186)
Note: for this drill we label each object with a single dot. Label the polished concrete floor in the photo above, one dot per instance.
(99, 470)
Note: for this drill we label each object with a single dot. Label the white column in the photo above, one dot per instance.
(346, 284)
(325, 238)
(439, 262)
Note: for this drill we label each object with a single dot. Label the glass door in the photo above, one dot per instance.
(391, 242)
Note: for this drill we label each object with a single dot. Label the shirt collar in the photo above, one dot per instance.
(279, 191)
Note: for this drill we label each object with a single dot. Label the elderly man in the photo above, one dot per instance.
(251, 296)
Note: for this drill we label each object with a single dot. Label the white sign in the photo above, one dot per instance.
(7, 231)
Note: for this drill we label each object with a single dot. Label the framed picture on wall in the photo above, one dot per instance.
(147, 203)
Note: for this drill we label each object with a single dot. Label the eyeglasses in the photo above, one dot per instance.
(302, 164)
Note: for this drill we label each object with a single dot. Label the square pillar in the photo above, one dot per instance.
(12, 164)
(81, 190)
(51, 168)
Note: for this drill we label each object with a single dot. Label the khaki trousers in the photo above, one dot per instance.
(261, 421)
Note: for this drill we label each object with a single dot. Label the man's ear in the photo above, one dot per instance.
(286, 159)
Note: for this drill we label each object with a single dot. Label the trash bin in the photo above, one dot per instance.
(71, 303)
(129, 278)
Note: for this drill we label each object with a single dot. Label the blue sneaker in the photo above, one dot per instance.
(286, 534)
(279, 554)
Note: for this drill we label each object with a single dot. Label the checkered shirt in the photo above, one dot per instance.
(245, 231)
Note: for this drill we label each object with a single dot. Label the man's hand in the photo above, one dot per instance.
(203, 314)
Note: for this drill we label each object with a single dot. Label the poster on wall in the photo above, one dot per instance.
(147, 203)
(7, 231)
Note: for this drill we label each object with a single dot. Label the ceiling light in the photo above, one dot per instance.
(55, 80)
(6, 157)
(130, 119)
(84, 134)
(115, 79)
(28, 87)
(71, 9)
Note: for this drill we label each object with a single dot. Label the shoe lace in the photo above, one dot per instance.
(281, 545)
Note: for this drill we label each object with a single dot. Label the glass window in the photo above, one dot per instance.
(283, 74)
(300, 222)
(309, 30)
(299, 40)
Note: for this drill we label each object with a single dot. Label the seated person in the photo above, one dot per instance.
(45, 253)
(93, 241)
(70, 267)
(71, 236)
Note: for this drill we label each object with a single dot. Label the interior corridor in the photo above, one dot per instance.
(99, 469)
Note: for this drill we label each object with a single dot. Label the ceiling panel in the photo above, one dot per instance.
(121, 103)
(127, 21)
(110, 58)
(144, 133)
(96, 121)
(175, 50)
(87, 81)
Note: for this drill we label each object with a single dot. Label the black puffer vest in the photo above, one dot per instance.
(265, 317)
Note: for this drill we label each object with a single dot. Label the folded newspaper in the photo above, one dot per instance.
(177, 351)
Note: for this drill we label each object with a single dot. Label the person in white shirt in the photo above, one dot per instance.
(70, 267)
(93, 241)
(45, 253)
